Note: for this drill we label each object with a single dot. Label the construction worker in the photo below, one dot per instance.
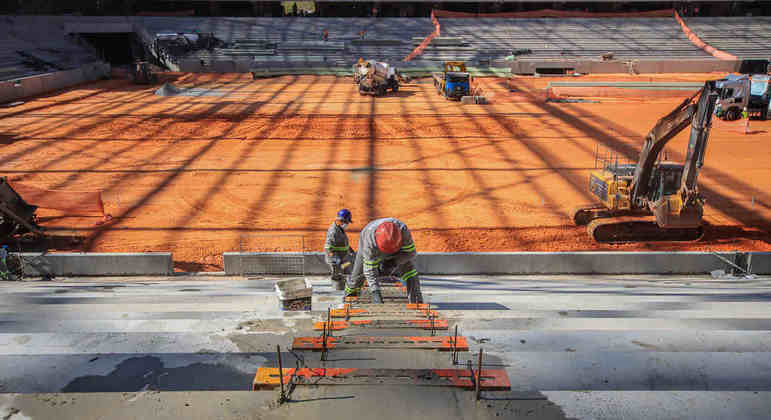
(338, 252)
(386, 248)
(4, 273)
(746, 117)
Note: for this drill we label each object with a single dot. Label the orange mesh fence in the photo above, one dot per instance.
(709, 49)
(75, 202)
(422, 46)
(549, 13)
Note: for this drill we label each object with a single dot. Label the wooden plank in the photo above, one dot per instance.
(490, 380)
(424, 324)
(441, 343)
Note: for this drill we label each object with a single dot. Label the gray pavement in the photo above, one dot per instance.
(604, 347)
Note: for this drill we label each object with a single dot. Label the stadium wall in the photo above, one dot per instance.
(13, 90)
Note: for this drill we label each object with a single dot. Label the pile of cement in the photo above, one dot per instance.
(169, 89)
(473, 100)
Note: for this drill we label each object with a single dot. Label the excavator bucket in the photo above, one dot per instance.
(16, 216)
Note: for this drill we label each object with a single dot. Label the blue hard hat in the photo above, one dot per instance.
(344, 215)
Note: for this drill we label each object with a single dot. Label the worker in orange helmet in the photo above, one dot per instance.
(386, 248)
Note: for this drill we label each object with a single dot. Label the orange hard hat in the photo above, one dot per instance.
(388, 238)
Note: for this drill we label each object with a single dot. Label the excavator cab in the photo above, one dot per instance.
(665, 180)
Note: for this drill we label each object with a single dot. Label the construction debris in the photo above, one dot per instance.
(169, 89)
(467, 100)
(294, 294)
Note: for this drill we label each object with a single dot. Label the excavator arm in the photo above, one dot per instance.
(699, 116)
(665, 129)
(697, 144)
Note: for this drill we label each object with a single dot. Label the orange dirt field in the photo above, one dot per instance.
(266, 166)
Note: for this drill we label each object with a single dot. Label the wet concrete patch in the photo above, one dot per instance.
(346, 403)
(148, 372)
(279, 326)
(250, 343)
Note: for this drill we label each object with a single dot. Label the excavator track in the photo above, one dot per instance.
(638, 229)
(582, 215)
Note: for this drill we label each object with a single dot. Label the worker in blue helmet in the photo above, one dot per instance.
(4, 273)
(339, 254)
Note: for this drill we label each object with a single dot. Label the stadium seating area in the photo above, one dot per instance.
(288, 42)
(26, 49)
(744, 37)
(298, 41)
(569, 38)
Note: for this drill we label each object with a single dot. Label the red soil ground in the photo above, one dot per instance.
(267, 166)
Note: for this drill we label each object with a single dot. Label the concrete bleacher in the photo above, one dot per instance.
(744, 37)
(568, 38)
(35, 46)
(261, 43)
(298, 41)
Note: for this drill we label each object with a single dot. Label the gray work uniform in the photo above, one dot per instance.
(337, 244)
(371, 263)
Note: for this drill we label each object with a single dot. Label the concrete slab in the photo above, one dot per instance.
(635, 346)
(706, 65)
(515, 263)
(48, 82)
(97, 264)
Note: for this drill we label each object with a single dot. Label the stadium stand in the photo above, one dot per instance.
(248, 43)
(566, 38)
(27, 50)
(289, 42)
(744, 37)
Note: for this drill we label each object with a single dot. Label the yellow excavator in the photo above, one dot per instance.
(654, 200)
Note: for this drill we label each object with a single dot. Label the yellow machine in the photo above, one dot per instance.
(454, 82)
(654, 200)
(459, 66)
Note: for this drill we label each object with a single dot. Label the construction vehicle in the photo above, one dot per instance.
(375, 78)
(142, 74)
(750, 92)
(455, 82)
(16, 216)
(654, 200)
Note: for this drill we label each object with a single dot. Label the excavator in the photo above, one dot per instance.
(654, 200)
(17, 217)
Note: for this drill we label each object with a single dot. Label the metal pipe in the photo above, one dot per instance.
(280, 373)
(455, 346)
(479, 375)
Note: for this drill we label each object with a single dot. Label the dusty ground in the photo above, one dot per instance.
(266, 166)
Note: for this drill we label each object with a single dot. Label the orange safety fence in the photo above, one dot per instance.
(75, 202)
(709, 49)
(422, 46)
(550, 13)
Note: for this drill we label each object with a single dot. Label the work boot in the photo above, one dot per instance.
(349, 292)
(376, 296)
